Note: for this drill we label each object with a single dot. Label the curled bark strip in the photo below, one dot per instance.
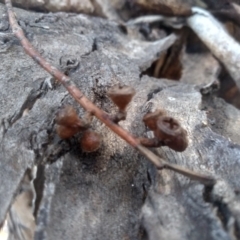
(93, 109)
(216, 38)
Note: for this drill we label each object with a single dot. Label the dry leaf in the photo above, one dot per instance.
(166, 7)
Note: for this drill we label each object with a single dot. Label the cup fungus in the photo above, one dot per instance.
(150, 119)
(167, 132)
(121, 96)
(90, 141)
(170, 132)
(66, 132)
(68, 117)
(68, 122)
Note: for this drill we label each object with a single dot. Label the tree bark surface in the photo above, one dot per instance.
(114, 193)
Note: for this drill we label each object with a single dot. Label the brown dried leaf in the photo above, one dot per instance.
(83, 6)
(167, 7)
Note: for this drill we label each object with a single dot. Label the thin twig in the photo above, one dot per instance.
(91, 108)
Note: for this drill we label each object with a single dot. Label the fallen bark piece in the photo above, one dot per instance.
(100, 61)
(169, 212)
(100, 195)
(89, 106)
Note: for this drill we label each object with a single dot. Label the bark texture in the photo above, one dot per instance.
(113, 193)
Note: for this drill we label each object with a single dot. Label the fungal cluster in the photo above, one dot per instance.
(167, 130)
(69, 124)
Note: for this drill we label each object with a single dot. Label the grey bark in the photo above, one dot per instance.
(113, 193)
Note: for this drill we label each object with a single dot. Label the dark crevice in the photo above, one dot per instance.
(167, 66)
(207, 193)
(194, 44)
(94, 45)
(123, 29)
(4, 125)
(224, 213)
(154, 91)
(52, 150)
(31, 99)
(214, 5)
(18, 223)
(93, 49)
(146, 186)
(39, 187)
(142, 234)
(27, 105)
(228, 89)
(237, 230)
(145, 192)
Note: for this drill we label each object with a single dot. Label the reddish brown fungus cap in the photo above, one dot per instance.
(167, 127)
(65, 132)
(90, 141)
(170, 132)
(179, 143)
(121, 96)
(68, 117)
(150, 119)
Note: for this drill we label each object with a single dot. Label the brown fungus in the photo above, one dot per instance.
(68, 117)
(167, 127)
(66, 132)
(170, 132)
(150, 142)
(150, 119)
(90, 141)
(121, 96)
(167, 132)
(68, 122)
